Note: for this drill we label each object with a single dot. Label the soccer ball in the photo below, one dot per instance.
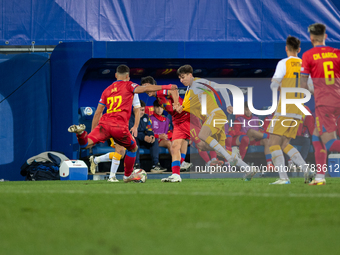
(142, 174)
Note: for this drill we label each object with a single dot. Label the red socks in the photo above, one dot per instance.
(129, 162)
(182, 157)
(213, 154)
(320, 154)
(228, 142)
(244, 146)
(176, 167)
(82, 139)
(204, 155)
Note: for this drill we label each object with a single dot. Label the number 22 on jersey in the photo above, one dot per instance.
(111, 101)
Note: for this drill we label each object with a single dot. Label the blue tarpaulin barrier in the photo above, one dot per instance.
(47, 22)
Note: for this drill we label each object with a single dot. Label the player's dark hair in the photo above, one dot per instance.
(185, 70)
(156, 103)
(142, 104)
(148, 79)
(123, 69)
(293, 43)
(317, 29)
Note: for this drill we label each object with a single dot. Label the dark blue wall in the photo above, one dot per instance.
(25, 110)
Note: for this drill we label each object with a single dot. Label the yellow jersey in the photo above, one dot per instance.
(194, 95)
(287, 74)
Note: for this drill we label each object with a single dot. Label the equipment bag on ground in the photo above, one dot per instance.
(44, 166)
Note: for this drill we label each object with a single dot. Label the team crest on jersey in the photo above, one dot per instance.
(145, 119)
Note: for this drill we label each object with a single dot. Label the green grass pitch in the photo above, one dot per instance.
(206, 216)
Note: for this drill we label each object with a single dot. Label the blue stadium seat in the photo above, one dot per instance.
(101, 148)
(255, 149)
(162, 150)
(143, 151)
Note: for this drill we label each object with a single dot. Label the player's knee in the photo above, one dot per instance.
(168, 145)
(175, 147)
(134, 149)
(284, 145)
(121, 151)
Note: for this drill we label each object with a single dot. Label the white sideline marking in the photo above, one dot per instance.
(175, 193)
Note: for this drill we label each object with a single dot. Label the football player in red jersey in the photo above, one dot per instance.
(181, 131)
(322, 63)
(117, 98)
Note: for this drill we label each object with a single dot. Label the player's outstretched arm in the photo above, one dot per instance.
(97, 115)
(175, 95)
(153, 88)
